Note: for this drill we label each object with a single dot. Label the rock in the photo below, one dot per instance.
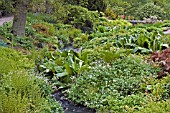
(167, 32)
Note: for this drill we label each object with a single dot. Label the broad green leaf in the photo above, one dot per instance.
(64, 54)
(61, 74)
(69, 70)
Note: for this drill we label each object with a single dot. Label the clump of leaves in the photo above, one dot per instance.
(13, 60)
(41, 28)
(63, 67)
(163, 60)
(112, 87)
(156, 107)
(21, 92)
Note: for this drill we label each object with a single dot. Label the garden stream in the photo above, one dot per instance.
(69, 106)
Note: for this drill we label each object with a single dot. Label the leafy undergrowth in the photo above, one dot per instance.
(21, 91)
(163, 60)
(100, 76)
(12, 60)
(115, 87)
(156, 107)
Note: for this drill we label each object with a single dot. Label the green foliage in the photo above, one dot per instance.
(109, 56)
(150, 9)
(5, 31)
(109, 13)
(156, 89)
(21, 92)
(6, 7)
(113, 87)
(141, 40)
(93, 5)
(12, 60)
(63, 67)
(80, 14)
(156, 107)
(67, 35)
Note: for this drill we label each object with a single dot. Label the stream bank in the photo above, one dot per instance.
(69, 106)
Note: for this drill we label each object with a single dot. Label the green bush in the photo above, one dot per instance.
(150, 9)
(93, 5)
(156, 107)
(156, 89)
(113, 87)
(21, 92)
(12, 60)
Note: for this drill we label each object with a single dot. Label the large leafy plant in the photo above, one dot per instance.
(141, 40)
(63, 67)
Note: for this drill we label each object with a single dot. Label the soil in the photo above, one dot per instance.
(5, 19)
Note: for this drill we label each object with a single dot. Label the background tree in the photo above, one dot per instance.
(92, 5)
(19, 21)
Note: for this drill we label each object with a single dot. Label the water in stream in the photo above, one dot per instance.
(69, 106)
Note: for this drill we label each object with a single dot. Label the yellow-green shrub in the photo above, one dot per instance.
(12, 60)
(156, 107)
(21, 92)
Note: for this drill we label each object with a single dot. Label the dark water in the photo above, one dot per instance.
(71, 107)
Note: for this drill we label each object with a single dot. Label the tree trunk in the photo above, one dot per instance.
(19, 22)
(48, 7)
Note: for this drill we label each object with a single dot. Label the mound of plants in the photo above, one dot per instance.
(150, 9)
(163, 60)
(63, 67)
(113, 87)
(156, 107)
(22, 92)
(12, 60)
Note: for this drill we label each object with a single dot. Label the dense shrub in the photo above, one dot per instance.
(21, 92)
(110, 14)
(156, 107)
(78, 14)
(12, 60)
(93, 5)
(150, 9)
(112, 87)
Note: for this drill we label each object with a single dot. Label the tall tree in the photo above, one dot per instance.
(48, 6)
(19, 21)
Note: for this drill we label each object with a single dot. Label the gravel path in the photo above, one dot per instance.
(5, 19)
